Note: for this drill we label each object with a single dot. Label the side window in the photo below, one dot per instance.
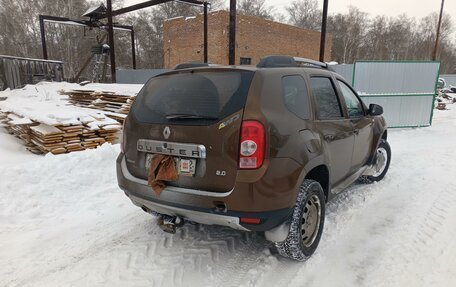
(295, 95)
(354, 106)
(328, 106)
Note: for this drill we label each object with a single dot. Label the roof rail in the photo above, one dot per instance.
(190, 65)
(288, 61)
(309, 62)
(193, 65)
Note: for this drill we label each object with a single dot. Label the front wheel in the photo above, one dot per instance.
(306, 224)
(382, 163)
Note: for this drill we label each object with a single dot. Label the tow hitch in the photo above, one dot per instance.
(170, 223)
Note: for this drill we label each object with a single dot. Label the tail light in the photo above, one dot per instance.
(123, 140)
(252, 145)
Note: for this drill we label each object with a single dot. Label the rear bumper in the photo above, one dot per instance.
(195, 205)
(188, 214)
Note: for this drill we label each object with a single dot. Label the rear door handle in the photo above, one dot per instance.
(356, 131)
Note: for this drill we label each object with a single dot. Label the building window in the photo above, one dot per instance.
(246, 61)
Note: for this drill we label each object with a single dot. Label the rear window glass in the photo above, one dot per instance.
(295, 95)
(193, 97)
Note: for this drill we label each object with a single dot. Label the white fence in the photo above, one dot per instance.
(405, 90)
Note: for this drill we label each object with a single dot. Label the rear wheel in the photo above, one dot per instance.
(382, 163)
(306, 224)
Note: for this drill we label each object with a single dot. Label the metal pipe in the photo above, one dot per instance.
(43, 37)
(205, 34)
(232, 33)
(111, 41)
(147, 4)
(434, 53)
(133, 49)
(323, 31)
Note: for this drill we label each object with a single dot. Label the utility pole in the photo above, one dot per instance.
(232, 33)
(111, 41)
(323, 31)
(437, 38)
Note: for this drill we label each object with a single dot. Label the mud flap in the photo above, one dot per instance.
(279, 233)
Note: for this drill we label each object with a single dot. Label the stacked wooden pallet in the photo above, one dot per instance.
(81, 98)
(116, 106)
(58, 139)
(19, 127)
(48, 139)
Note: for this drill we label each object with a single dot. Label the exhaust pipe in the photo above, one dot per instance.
(169, 223)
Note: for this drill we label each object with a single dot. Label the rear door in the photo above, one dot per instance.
(334, 128)
(362, 125)
(195, 116)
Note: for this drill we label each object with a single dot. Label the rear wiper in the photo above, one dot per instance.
(189, 116)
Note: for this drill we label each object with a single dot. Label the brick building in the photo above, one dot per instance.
(255, 38)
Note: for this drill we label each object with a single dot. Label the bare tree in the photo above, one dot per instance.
(305, 13)
(348, 32)
(255, 8)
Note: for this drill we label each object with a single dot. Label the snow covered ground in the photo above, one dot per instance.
(44, 103)
(64, 222)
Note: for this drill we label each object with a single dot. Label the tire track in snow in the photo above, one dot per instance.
(425, 224)
(147, 256)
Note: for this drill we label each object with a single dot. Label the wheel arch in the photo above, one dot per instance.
(378, 136)
(318, 170)
(385, 135)
(320, 174)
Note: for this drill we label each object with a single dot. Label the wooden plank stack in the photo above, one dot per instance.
(81, 98)
(115, 106)
(58, 139)
(48, 139)
(19, 127)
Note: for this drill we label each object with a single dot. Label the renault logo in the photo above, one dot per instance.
(166, 132)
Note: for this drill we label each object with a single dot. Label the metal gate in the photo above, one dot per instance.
(405, 90)
(16, 72)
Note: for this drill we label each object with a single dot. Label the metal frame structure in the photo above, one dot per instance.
(90, 24)
(111, 13)
(94, 22)
(323, 31)
(232, 34)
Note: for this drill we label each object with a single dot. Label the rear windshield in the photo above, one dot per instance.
(193, 97)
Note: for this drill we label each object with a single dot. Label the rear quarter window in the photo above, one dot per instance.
(295, 96)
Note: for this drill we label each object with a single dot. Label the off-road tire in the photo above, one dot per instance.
(370, 178)
(293, 246)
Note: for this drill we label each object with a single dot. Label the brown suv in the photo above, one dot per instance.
(257, 148)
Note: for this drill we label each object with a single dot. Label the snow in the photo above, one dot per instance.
(15, 120)
(64, 222)
(43, 103)
(12, 151)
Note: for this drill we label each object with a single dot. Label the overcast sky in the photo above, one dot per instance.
(413, 8)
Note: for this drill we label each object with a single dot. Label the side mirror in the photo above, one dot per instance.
(375, 110)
